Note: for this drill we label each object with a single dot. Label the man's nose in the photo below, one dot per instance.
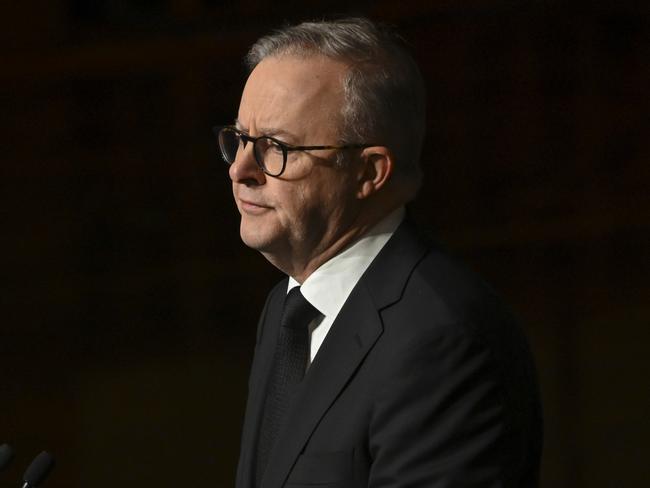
(245, 167)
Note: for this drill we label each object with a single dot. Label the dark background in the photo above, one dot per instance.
(129, 304)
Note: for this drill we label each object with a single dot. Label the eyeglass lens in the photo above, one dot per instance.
(229, 142)
(268, 153)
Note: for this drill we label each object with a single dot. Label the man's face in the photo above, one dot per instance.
(302, 212)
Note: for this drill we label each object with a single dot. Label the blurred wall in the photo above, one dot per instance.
(129, 303)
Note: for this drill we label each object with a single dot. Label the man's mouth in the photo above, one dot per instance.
(252, 207)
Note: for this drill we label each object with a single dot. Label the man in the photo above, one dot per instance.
(401, 368)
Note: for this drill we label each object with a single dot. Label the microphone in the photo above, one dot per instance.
(38, 470)
(6, 455)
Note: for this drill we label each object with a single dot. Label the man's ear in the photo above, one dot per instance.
(377, 163)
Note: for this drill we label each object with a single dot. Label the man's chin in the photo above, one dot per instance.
(256, 241)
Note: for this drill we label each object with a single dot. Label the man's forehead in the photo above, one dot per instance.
(284, 91)
(309, 66)
(266, 130)
(291, 76)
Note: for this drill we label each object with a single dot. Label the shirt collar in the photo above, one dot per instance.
(329, 286)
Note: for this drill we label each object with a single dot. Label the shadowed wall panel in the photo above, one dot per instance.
(130, 304)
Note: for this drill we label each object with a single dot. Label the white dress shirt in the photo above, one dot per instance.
(329, 286)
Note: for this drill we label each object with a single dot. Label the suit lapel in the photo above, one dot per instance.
(352, 335)
(260, 370)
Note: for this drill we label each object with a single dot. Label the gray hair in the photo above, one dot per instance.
(384, 90)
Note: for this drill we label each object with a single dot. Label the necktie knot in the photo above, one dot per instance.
(297, 312)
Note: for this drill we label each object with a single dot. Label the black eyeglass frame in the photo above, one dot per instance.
(285, 147)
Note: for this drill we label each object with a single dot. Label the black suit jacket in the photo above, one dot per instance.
(422, 381)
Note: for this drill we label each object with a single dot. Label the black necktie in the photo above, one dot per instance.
(291, 355)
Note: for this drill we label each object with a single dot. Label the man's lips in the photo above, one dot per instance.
(252, 207)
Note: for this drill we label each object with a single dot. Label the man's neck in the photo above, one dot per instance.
(300, 269)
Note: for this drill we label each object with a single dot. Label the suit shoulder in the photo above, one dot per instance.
(443, 298)
(450, 291)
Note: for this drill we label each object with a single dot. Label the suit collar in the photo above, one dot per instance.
(388, 274)
(329, 286)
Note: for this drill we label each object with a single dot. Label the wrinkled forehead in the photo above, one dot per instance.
(293, 94)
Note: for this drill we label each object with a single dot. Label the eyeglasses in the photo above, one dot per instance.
(270, 153)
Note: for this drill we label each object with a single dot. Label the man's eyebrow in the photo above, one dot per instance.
(268, 131)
